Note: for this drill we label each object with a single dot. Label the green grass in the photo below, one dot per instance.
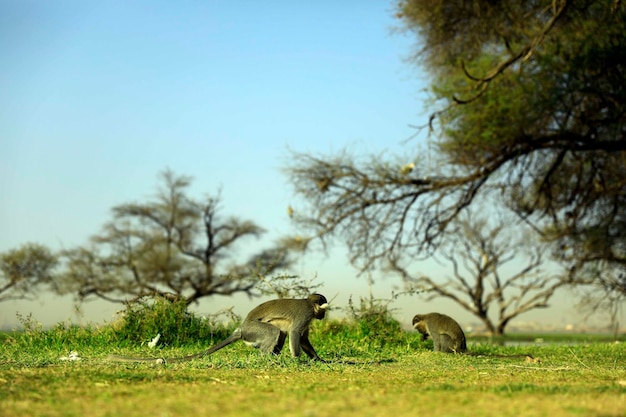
(548, 338)
(372, 372)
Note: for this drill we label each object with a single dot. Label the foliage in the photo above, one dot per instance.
(533, 95)
(530, 106)
(374, 318)
(24, 269)
(141, 322)
(171, 246)
(370, 324)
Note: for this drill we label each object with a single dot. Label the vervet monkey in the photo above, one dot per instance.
(448, 336)
(266, 327)
(446, 333)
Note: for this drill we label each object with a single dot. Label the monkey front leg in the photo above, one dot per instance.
(299, 341)
(294, 343)
(307, 347)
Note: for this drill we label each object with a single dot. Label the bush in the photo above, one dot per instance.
(141, 322)
(374, 321)
(369, 326)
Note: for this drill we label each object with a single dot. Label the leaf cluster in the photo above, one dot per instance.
(530, 109)
(533, 98)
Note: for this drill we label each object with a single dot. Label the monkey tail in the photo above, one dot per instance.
(120, 358)
(232, 338)
(526, 356)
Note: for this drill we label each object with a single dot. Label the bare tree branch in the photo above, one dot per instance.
(478, 255)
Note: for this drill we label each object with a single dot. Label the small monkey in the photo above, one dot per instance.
(448, 336)
(266, 327)
(446, 333)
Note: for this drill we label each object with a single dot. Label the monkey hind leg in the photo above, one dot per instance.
(449, 344)
(446, 344)
(262, 336)
(280, 343)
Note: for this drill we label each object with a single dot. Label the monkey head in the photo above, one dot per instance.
(420, 325)
(320, 305)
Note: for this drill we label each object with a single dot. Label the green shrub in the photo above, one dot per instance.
(367, 328)
(141, 322)
(374, 321)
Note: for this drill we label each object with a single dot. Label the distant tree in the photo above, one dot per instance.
(173, 247)
(529, 100)
(24, 270)
(498, 271)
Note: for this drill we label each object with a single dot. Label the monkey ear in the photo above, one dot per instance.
(325, 306)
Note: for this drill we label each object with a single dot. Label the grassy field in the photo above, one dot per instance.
(367, 375)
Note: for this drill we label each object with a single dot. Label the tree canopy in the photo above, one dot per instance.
(24, 269)
(172, 246)
(528, 104)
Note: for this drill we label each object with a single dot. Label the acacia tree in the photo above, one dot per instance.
(498, 271)
(24, 269)
(529, 100)
(173, 247)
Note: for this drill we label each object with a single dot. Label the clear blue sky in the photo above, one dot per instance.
(99, 97)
